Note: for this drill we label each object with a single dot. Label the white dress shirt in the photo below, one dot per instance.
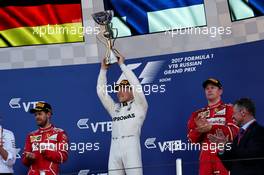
(245, 126)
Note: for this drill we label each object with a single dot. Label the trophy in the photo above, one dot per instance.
(106, 35)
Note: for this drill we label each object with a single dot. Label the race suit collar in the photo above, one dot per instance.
(46, 129)
(126, 103)
(215, 105)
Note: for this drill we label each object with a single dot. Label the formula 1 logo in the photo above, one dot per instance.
(97, 126)
(149, 72)
(15, 103)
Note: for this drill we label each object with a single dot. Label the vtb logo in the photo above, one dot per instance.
(15, 103)
(149, 72)
(171, 146)
(95, 126)
(150, 143)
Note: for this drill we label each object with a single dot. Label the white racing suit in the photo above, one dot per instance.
(6, 166)
(127, 118)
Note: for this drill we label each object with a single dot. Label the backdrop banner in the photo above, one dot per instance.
(173, 87)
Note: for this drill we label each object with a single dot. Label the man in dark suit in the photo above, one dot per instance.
(245, 155)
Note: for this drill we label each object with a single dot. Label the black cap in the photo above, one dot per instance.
(124, 83)
(212, 81)
(41, 106)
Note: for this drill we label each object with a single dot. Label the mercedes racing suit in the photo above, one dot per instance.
(50, 147)
(220, 117)
(8, 138)
(127, 120)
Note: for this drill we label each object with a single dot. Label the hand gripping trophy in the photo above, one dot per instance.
(106, 35)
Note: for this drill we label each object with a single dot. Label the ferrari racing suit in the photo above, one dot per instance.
(220, 117)
(50, 146)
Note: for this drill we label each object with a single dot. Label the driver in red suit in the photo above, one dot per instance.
(214, 118)
(47, 147)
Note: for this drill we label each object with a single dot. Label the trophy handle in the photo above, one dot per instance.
(101, 37)
(102, 41)
(107, 55)
(106, 37)
(117, 53)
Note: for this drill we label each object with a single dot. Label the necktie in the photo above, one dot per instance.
(240, 134)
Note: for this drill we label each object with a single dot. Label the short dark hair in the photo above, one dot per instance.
(248, 104)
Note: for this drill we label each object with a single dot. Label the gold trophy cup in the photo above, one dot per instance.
(106, 35)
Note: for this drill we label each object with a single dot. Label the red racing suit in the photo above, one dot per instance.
(220, 117)
(50, 147)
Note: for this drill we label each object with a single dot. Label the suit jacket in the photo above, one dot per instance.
(247, 157)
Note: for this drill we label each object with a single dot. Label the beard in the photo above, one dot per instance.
(42, 123)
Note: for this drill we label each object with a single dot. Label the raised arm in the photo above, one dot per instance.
(134, 82)
(101, 88)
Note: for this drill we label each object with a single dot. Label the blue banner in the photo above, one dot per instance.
(173, 88)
